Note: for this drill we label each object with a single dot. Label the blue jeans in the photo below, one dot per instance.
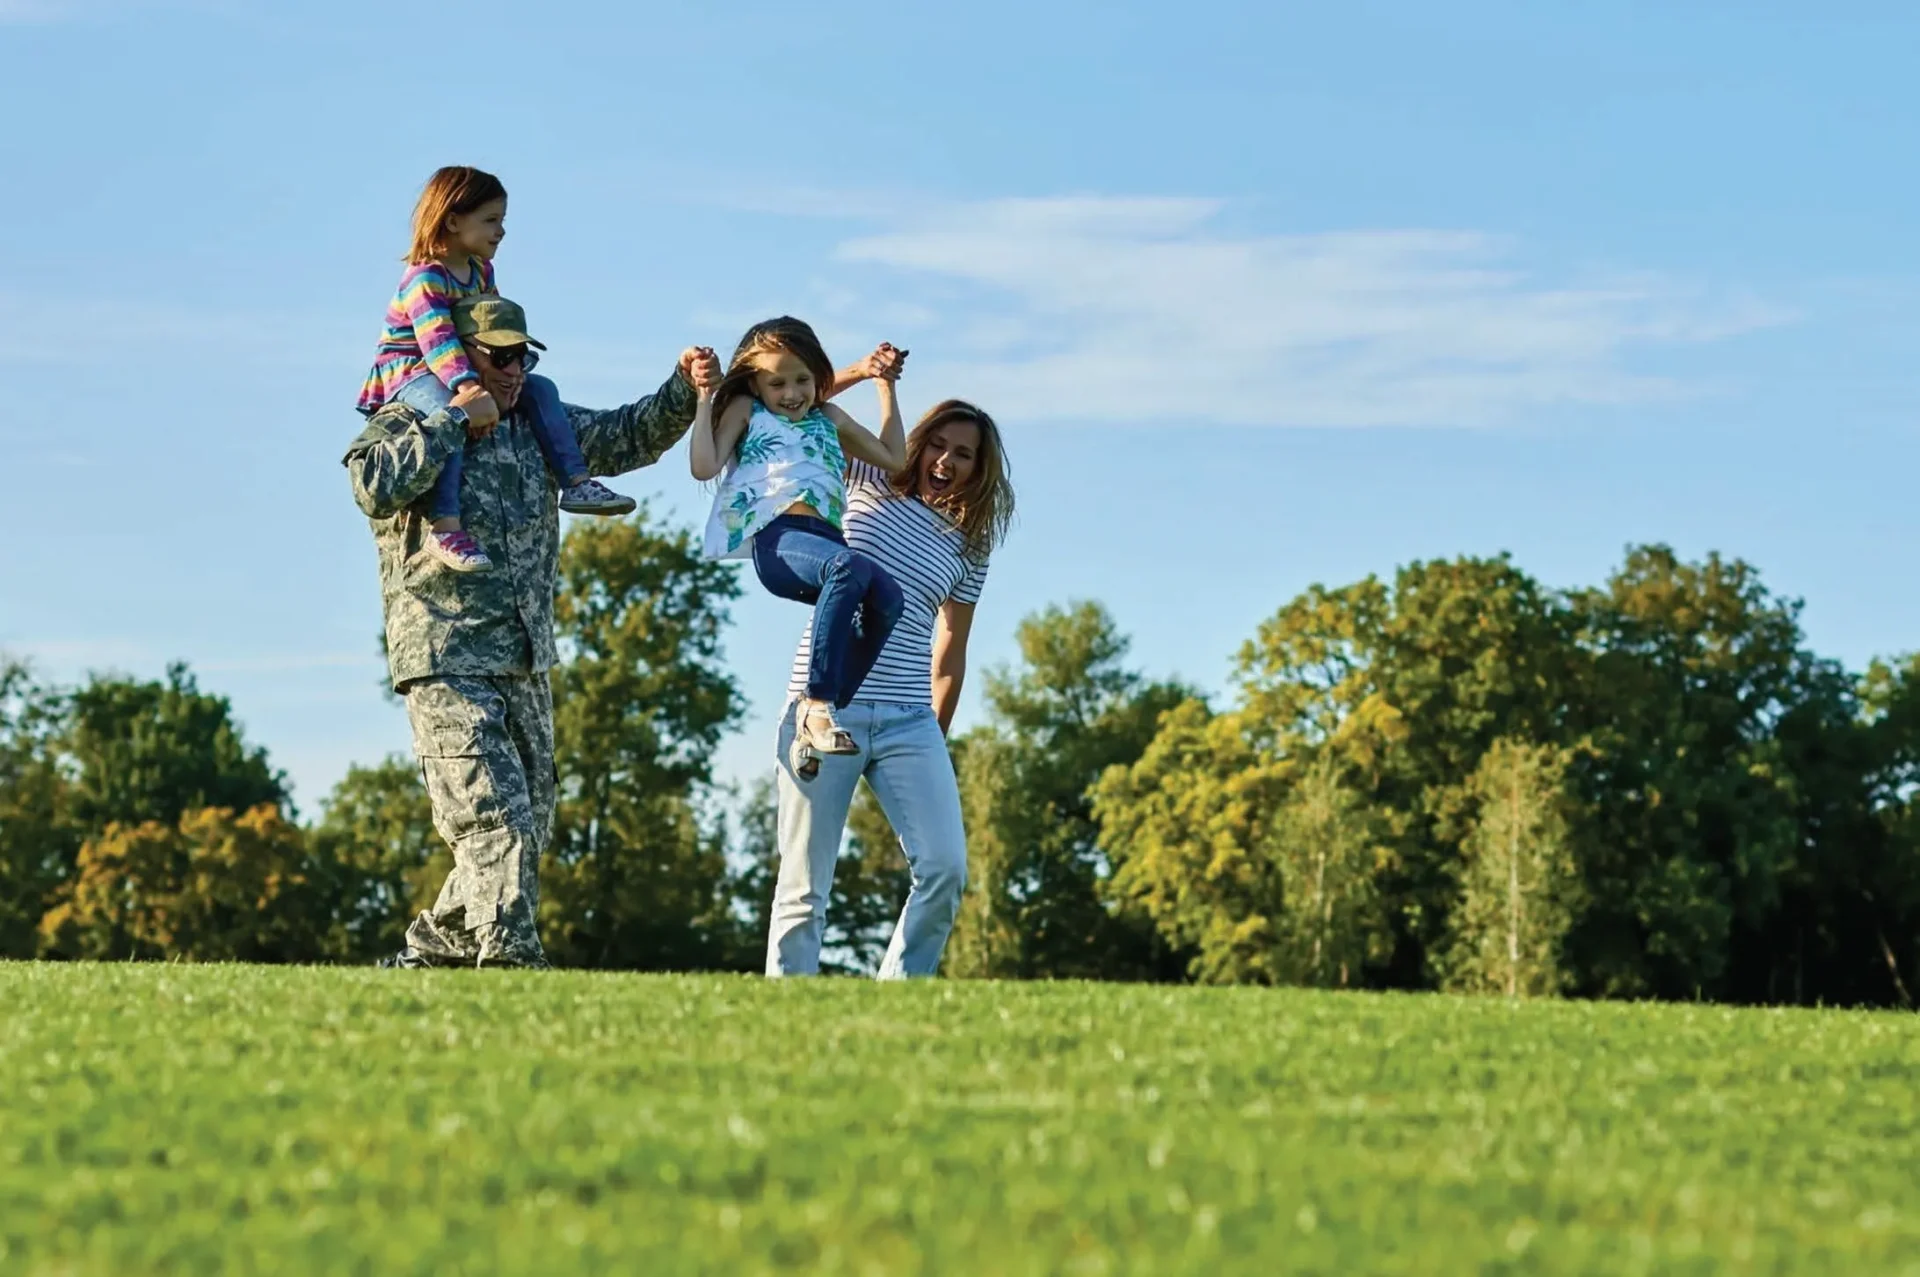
(551, 429)
(904, 757)
(806, 559)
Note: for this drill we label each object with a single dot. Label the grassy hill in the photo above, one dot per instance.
(244, 1119)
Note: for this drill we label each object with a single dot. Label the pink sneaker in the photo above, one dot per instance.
(459, 551)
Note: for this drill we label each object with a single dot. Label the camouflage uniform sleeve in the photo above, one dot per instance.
(622, 439)
(398, 456)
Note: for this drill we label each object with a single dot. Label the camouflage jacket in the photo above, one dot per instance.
(442, 622)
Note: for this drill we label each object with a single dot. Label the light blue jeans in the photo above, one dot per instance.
(904, 757)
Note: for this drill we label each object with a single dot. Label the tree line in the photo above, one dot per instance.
(1457, 779)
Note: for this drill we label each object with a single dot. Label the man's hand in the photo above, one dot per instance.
(483, 414)
(700, 366)
(885, 363)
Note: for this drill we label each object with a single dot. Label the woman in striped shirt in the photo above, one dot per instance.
(932, 527)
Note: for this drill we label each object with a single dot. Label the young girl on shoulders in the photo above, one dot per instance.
(783, 451)
(458, 224)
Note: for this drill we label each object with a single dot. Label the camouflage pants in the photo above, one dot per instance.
(486, 752)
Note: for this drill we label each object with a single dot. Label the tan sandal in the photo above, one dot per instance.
(816, 732)
(821, 731)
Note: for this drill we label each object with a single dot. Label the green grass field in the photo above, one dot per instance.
(254, 1120)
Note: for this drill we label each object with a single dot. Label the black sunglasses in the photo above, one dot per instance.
(504, 357)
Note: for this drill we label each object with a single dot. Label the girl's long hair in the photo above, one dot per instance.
(784, 333)
(453, 191)
(983, 510)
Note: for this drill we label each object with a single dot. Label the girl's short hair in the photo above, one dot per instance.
(784, 333)
(983, 510)
(453, 191)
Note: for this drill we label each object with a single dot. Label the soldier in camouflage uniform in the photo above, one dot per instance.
(470, 652)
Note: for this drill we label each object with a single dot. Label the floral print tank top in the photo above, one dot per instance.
(777, 464)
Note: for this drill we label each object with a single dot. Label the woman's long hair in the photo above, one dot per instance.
(983, 510)
(784, 333)
(453, 191)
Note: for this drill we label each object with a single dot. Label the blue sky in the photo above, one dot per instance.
(1263, 295)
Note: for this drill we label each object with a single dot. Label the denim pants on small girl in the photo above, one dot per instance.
(428, 394)
(806, 559)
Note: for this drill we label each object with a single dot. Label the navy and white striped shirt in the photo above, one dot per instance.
(924, 553)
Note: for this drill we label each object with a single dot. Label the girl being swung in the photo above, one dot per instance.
(784, 452)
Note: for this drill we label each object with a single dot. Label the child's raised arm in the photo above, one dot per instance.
(889, 450)
(712, 442)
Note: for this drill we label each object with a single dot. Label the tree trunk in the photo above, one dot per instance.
(1325, 909)
(1513, 890)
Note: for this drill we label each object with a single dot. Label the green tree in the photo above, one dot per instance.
(377, 828)
(1327, 844)
(1397, 690)
(218, 886)
(1697, 711)
(1408, 685)
(39, 837)
(117, 752)
(987, 942)
(1264, 869)
(1519, 884)
(1847, 929)
(1039, 905)
(1186, 825)
(1709, 754)
(151, 751)
(636, 876)
(755, 865)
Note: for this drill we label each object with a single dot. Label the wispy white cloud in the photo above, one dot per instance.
(1139, 309)
(1127, 310)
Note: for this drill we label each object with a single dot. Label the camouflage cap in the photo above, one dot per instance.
(492, 320)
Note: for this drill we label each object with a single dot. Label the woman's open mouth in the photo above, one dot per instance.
(939, 480)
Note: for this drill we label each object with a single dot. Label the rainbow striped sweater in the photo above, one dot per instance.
(419, 335)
